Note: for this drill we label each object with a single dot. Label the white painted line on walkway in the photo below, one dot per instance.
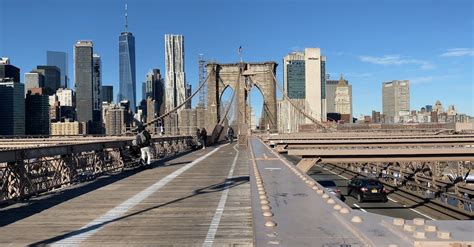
(211, 233)
(361, 209)
(272, 168)
(420, 213)
(96, 225)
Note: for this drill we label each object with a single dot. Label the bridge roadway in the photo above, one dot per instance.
(223, 196)
(393, 207)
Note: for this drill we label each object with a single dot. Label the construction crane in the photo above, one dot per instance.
(202, 78)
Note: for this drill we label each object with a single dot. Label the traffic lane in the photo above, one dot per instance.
(391, 208)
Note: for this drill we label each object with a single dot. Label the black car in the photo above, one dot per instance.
(331, 186)
(366, 189)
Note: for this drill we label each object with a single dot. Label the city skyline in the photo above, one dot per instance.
(439, 69)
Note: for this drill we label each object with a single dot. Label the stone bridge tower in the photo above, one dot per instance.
(241, 77)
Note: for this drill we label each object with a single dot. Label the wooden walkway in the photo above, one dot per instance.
(197, 199)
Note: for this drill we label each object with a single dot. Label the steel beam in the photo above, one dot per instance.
(386, 154)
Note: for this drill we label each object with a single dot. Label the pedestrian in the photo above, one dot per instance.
(230, 134)
(203, 136)
(198, 135)
(144, 142)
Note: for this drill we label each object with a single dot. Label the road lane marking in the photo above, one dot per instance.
(361, 209)
(211, 233)
(391, 199)
(420, 213)
(75, 238)
(338, 175)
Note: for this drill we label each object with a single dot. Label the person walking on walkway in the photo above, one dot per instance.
(198, 136)
(203, 138)
(230, 134)
(144, 142)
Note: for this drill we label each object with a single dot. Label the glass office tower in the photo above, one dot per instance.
(59, 59)
(127, 90)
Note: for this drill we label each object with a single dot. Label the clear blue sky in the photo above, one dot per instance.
(429, 43)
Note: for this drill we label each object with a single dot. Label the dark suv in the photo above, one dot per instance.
(366, 189)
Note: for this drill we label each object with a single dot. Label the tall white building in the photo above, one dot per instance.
(395, 100)
(304, 82)
(315, 82)
(343, 100)
(175, 76)
(65, 97)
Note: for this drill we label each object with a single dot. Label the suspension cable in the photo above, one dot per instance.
(265, 106)
(232, 99)
(182, 104)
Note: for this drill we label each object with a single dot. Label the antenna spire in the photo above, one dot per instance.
(126, 18)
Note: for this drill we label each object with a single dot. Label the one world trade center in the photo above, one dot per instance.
(127, 66)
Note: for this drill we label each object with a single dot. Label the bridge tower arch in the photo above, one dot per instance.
(241, 77)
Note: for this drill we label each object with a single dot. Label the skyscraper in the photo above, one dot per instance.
(144, 94)
(12, 110)
(83, 76)
(189, 91)
(59, 59)
(343, 100)
(315, 82)
(395, 99)
(107, 94)
(37, 119)
(331, 86)
(52, 77)
(33, 80)
(294, 75)
(155, 89)
(175, 76)
(115, 118)
(9, 71)
(12, 100)
(96, 88)
(127, 81)
(304, 77)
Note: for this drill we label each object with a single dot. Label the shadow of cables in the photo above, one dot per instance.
(11, 213)
(226, 184)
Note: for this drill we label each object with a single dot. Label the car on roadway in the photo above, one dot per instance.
(331, 186)
(367, 189)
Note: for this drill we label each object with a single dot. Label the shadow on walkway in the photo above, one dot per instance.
(10, 214)
(226, 184)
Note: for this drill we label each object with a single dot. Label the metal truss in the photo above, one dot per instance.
(30, 172)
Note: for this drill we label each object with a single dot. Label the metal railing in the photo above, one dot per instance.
(30, 172)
